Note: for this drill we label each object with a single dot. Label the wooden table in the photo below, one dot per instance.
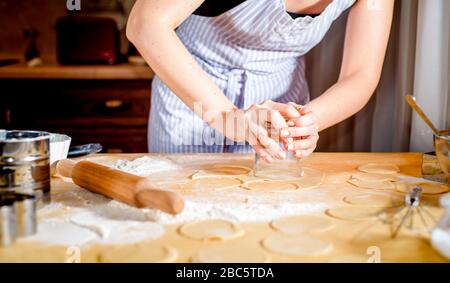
(352, 240)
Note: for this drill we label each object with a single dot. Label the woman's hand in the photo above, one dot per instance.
(305, 132)
(253, 125)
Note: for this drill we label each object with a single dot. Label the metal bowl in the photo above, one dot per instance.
(59, 147)
(442, 147)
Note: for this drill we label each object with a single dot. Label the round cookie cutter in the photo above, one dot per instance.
(18, 217)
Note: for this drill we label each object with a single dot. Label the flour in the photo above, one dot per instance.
(81, 217)
(146, 166)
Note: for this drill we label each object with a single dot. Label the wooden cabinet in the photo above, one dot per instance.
(111, 110)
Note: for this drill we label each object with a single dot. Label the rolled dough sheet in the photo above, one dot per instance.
(379, 168)
(211, 230)
(353, 212)
(375, 200)
(230, 254)
(350, 259)
(213, 183)
(427, 188)
(298, 224)
(385, 185)
(409, 249)
(223, 171)
(374, 177)
(138, 253)
(301, 245)
(272, 186)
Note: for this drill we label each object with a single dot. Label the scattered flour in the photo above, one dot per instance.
(78, 217)
(145, 166)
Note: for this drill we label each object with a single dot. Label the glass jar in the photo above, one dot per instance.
(286, 169)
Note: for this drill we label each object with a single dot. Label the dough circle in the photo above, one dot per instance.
(138, 253)
(211, 183)
(353, 212)
(427, 188)
(301, 245)
(374, 177)
(230, 254)
(379, 168)
(374, 200)
(269, 185)
(211, 230)
(311, 179)
(298, 224)
(385, 185)
(222, 171)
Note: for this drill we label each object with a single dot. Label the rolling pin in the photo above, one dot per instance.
(133, 190)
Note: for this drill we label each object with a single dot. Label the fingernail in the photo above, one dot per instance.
(290, 147)
(282, 155)
(298, 153)
(290, 140)
(290, 123)
(317, 128)
(284, 133)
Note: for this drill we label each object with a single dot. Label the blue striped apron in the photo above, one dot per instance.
(253, 52)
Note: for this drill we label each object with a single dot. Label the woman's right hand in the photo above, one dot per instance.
(251, 125)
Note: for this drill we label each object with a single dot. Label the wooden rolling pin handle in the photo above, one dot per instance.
(131, 189)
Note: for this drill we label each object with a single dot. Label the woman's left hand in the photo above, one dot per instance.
(304, 133)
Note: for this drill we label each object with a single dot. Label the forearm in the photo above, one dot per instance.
(171, 61)
(348, 96)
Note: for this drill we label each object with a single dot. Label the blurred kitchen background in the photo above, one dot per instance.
(74, 72)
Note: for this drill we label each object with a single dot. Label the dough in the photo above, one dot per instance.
(409, 249)
(298, 224)
(138, 253)
(230, 254)
(272, 186)
(353, 212)
(222, 171)
(350, 259)
(427, 188)
(375, 200)
(385, 185)
(302, 245)
(379, 168)
(211, 183)
(211, 230)
(311, 179)
(373, 177)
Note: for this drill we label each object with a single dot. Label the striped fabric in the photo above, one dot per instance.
(253, 52)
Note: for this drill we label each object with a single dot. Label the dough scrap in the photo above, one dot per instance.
(301, 245)
(298, 224)
(427, 188)
(230, 254)
(222, 171)
(374, 200)
(379, 168)
(353, 212)
(211, 183)
(374, 177)
(385, 185)
(211, 230)
(138, 253)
